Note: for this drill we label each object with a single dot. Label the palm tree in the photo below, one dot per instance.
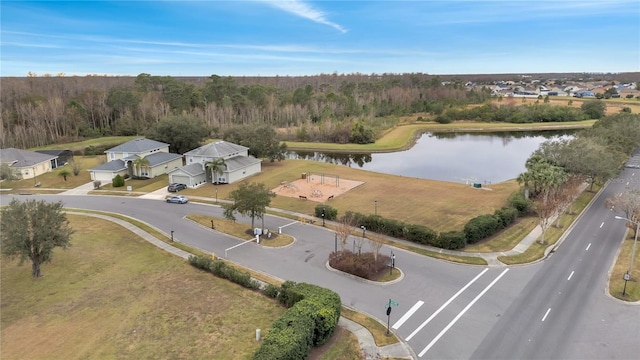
(215, 165)
(141, 163)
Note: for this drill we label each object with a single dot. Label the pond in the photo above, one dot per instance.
(458, 157)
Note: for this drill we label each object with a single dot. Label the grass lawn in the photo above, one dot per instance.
(107, 142)
(437, 204)
(616, 285)
(112, 295)
(241, 230)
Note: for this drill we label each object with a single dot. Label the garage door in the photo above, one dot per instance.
(104, 177)
(180, 179)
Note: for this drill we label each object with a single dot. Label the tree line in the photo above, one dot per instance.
(337, 108)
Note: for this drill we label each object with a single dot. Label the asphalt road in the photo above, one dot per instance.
(556, 309)
(564, 312)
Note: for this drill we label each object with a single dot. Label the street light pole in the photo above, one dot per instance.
(216, 195)
(635, 241)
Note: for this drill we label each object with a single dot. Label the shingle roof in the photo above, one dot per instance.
(239, 162)
(137, 146)
(23, 158)
(161, 157)
(114, 165)
(191, 169)
(218, 149)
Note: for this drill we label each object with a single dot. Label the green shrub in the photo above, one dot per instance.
(118, 181)
(287, 295)
(271, 291)
(330, 213)
(520, 203)
(481, 227)
(507, 215)
(452, 240)
(421, 235)
(222, 270)
(309, 322)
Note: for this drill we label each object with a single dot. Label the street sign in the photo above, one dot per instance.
(393, 303)
(626, 277)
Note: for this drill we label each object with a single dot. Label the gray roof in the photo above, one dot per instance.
(112, 166)
(161, 158)
(23, 158)
(218, 149)
(191, 169)
(137, 146)
(239, 162)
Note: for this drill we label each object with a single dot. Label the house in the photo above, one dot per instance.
(27, 164)
(124, 160)
(62, 156)
(237, 165)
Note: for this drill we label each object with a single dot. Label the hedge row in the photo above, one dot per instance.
(222, 270)
(475, 230)
(310, 321)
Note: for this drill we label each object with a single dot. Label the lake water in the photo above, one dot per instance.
(457, 157)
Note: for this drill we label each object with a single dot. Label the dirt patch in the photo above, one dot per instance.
(316, 187)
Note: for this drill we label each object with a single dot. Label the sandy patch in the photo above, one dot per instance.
(316, 188)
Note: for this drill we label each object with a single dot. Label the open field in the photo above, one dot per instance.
(437, 204)
(112, 295)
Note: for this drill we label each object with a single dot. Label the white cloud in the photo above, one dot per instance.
(304, 10)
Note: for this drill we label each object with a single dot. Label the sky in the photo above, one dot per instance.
(299, 37)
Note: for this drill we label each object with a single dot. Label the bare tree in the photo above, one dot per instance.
(343, 231)
(629, 203)
(375, 244)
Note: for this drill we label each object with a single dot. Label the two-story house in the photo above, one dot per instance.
(139, 157)
(236, 164)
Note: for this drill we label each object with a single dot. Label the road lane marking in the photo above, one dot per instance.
(407, 315)
(588, 246)
(570, 275)
(445, 305)
(545, 314)
(462, 313)
(601, 225)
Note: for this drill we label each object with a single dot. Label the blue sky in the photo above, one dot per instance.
(266, 38)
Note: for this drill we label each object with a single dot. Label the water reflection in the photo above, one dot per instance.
(454, 156)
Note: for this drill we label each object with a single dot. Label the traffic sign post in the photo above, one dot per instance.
(391, 302)
(626, 278)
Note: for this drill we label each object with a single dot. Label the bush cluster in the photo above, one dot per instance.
(310, 321)
(330, 213)
(416, 233)
(222, 270)
(363, 265)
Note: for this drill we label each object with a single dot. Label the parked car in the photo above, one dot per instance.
(178, 199)
(175, 187)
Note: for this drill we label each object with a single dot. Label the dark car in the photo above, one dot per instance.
(176, 187)
(178, 199)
